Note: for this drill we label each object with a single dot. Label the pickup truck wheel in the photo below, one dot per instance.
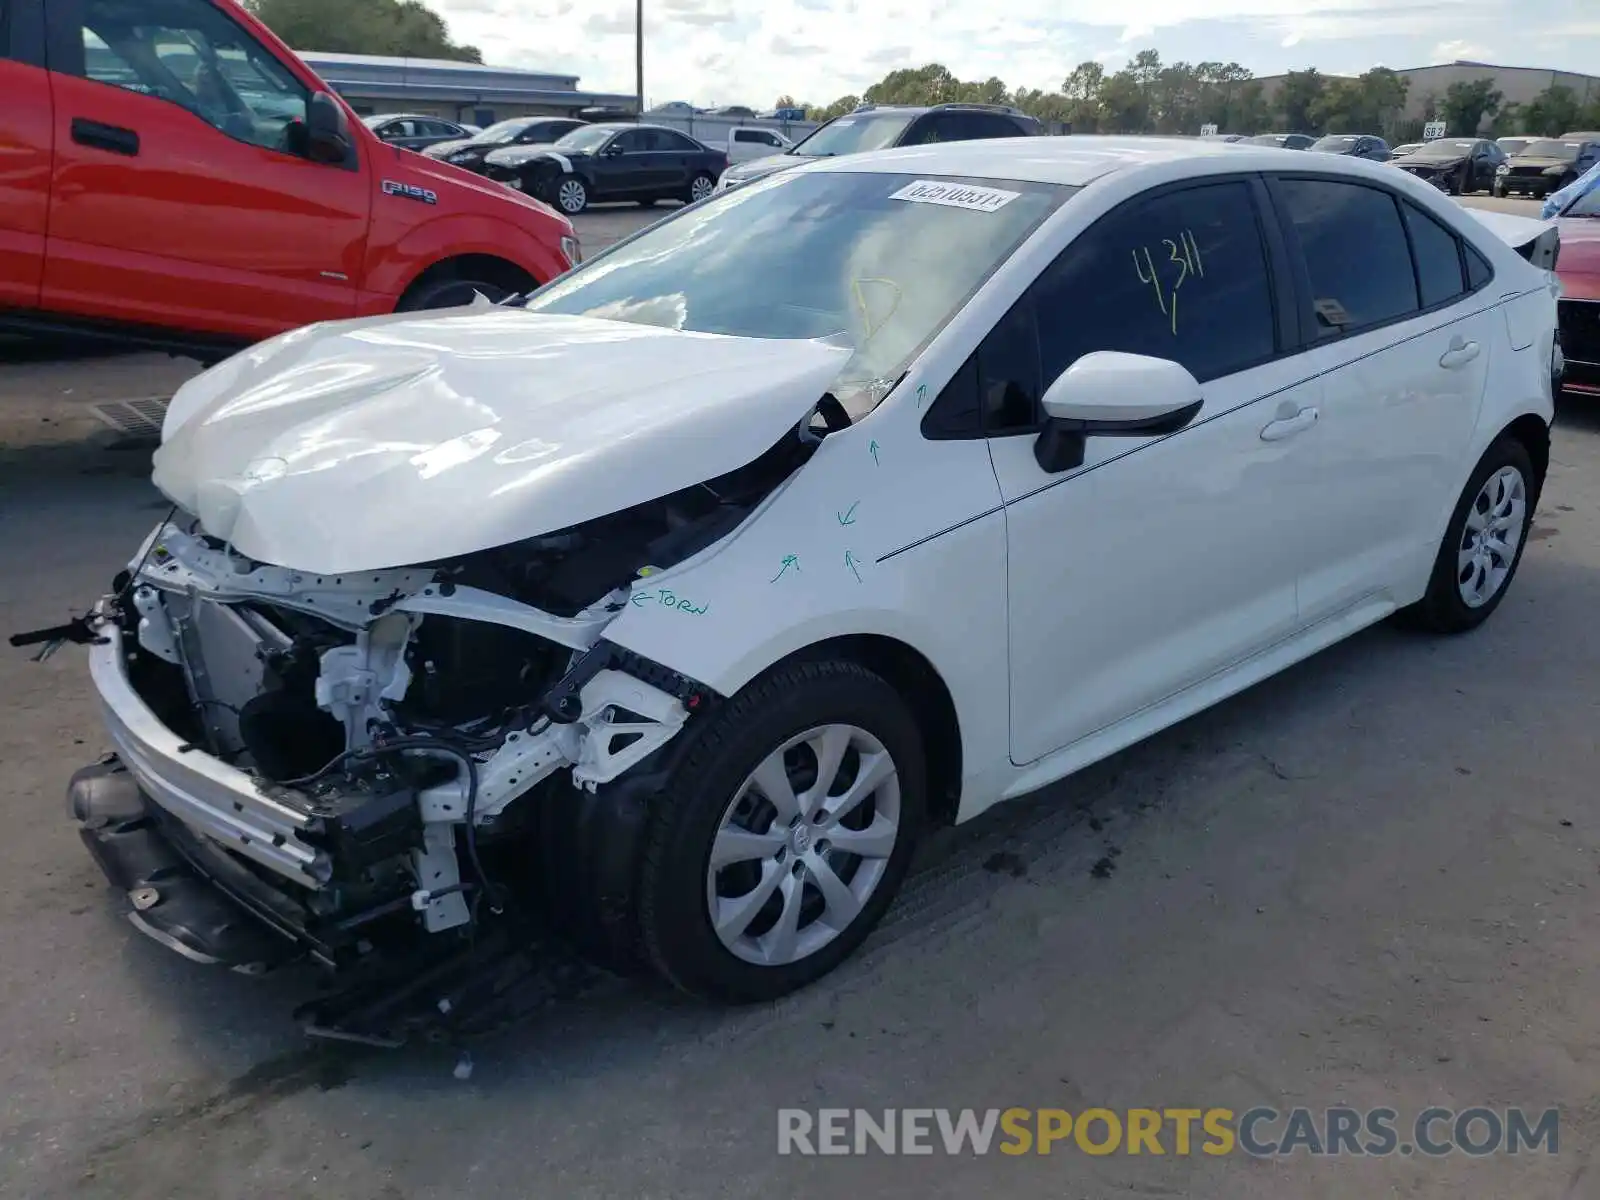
(701, 186)
(782, 833)
(450, 293)
(572, 195)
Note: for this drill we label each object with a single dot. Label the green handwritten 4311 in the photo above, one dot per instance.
(1183, 255)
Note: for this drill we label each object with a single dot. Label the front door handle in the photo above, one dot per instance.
(1459, 354)
(105, 137)
(1287, 426)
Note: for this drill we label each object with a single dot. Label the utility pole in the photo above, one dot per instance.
(638, 55)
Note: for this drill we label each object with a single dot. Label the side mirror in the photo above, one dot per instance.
(1112, 394)
(327, 136)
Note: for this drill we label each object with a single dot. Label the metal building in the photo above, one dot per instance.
(459, 91)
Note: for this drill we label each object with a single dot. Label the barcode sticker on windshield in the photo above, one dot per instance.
(955, 195)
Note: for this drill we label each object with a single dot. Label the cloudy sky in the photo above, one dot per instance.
(750, 51)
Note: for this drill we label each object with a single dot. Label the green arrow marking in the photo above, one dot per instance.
(848, 517)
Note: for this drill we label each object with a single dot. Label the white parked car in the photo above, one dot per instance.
(747, 142)
(688, 594)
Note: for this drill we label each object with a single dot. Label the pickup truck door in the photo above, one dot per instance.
(176, 201)
(25, 145)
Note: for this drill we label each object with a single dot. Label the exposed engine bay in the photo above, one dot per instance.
(356, 748)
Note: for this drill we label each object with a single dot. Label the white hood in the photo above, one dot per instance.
(390, 441)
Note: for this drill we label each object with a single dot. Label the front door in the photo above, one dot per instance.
(1161, 560)
(622, 168)
(25, 147)
(176, 200)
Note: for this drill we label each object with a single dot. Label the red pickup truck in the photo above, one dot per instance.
(172, 175)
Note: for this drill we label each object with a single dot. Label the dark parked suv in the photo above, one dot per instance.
(881, 126)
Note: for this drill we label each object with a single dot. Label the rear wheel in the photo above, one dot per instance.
(1483, 543)
(783, 833)
(701, 186)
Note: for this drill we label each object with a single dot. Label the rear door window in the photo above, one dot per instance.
(1355, 253)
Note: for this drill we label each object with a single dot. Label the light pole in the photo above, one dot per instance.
(638, 55)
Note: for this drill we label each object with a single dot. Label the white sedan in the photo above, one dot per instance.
(681, 597)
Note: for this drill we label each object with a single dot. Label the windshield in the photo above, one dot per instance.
(856, 133)
(1553, 148)
(1451, 149)
(1342, 142)
(501, 132)
(1514, 145)
(589, 137)
(1268, 139)
(815, 255)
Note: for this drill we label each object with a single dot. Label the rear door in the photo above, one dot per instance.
(176, 201)
(1401, 341)
(26, 136)
(678, 159)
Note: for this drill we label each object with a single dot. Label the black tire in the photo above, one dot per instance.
(674, 925)
(570, 195)
(703, 182)
(449, 293)
(1442, 608)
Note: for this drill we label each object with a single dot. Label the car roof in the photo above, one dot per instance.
(1072, 160)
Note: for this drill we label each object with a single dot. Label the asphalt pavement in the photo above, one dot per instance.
(1373, 881)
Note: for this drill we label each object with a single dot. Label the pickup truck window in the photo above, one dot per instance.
(189, 53)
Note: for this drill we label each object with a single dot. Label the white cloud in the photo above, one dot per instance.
(1457, 48)
(750, 51)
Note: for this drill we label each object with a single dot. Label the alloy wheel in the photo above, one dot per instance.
(572, 196)
(1491, 536)
(701, 188)
(803, 845)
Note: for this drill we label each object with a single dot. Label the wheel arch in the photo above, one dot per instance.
(490, 268)
(924, 690)
(1534, 433)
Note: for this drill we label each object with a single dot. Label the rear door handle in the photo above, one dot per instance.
(105, 137)
(1288, 426)
(1459, 354)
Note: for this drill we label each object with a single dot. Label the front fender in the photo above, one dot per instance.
(396, 266)
(857, 543)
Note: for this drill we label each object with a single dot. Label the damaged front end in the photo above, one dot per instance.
(335, 765)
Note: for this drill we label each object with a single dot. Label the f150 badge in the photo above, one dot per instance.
(410, 191)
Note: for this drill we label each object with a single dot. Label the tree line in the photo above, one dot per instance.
(402, 28)
(1149, 96)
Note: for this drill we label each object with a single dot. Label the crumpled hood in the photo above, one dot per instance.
(389, 441)
(1543, 161)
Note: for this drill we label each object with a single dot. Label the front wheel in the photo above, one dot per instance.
(572, 195)
(450, 293)
(1483, 543)
(783, 833)
(701, 186)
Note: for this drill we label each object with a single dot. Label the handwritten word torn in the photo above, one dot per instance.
(955, 195)
(668, 599)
